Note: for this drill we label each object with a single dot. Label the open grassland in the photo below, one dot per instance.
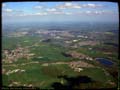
(99, 51)
(35, 74)
(47, 52)
(12, 42)
(44, 76)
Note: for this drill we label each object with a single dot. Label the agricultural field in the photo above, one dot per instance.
(49, 63)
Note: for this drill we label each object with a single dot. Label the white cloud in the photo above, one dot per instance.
(4, 5)
(68, 13)
(8, 10)
(62, 13)
(68, 5)
(22, 14)
(90, 5)
(98, 12)
(77, 6)
(33, 14)
(88, 12)
(58, 12)
(51, 10)
(41, 13)
(95, 12)
(38, 7)
(11, 12)
(54, 11)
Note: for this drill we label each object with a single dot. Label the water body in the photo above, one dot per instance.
(113, 44)
(104, 61)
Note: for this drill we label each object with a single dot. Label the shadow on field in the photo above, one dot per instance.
(72, 82)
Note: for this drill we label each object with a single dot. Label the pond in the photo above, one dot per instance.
(113, 44)
(104, 61)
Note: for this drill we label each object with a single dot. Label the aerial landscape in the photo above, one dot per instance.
(60, 45)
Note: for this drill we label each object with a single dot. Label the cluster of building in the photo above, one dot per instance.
(75, 54)
(14, 55)
(14, 71)
(18, 34)
(77, 66)
(14, 83)
(92, 43)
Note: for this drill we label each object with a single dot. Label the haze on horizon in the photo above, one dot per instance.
(60, 11)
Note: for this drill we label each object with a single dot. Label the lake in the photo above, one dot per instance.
(105, 61)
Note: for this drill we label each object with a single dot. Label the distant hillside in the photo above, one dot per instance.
(60, 26)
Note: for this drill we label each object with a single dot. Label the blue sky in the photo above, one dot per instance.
(60, 11)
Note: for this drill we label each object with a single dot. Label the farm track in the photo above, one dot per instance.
(75, 63)
(20, 64)
(36, 63)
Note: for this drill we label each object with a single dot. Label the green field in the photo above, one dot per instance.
(44, 76)
(35, 74)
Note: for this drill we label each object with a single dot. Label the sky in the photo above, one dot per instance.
(60, 11)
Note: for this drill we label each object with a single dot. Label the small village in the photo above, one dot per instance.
(14, 55)
(77, 66)
(75, 54)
